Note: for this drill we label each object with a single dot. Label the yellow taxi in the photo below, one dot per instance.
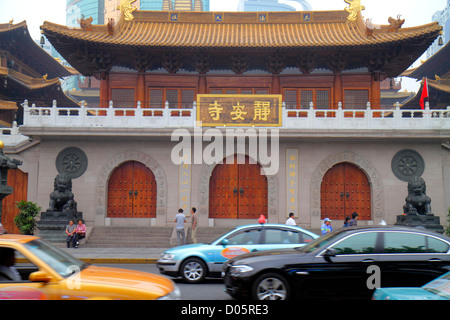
(46, 272)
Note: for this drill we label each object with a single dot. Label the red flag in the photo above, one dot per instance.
(424, 94)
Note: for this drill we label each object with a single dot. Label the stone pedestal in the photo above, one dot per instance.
(428, 221)
(52, 224)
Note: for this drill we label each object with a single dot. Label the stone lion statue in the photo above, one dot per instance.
(417, 202)
(62, 198)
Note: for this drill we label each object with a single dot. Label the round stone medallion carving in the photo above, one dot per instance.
(407, 164)
(72, 161)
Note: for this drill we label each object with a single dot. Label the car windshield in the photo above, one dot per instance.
(440, 286)
(216, 239)
(57, 259)
(319, 242)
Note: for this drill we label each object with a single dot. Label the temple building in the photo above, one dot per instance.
(26, 72)
(436, 71)
(299, 93)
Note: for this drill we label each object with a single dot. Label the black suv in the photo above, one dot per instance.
(347, 263)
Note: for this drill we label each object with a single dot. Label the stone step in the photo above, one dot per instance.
(121, 237)
(150, 237)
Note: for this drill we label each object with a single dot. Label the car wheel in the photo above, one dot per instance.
(193, 270)
(271, 286)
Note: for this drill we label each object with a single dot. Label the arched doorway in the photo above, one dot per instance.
(132, 192)
(345, 189)
(237, 191)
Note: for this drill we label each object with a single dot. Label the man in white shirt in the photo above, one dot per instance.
(290, 221)
(180, 219)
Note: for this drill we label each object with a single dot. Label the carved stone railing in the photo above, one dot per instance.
(107, 117)
(330, 119)
(367, 119)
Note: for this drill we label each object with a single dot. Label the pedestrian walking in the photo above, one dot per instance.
(180, 220)
(290, 221)
(194, 225)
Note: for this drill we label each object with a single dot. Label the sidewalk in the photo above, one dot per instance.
(116, 255)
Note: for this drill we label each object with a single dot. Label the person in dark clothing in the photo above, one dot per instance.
(352, 221)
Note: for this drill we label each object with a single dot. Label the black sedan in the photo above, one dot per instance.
(349, 263)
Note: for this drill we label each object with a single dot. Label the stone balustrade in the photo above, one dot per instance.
(333, 119)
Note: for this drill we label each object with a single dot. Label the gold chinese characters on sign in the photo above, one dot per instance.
(239, 110)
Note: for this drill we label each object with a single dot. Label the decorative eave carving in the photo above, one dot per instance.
(240, 63)
(172, 62)
(338, 62)
(103, 61)
(202, 62)
(110, 26)
(127, 9)
(142, 61)
(85, 24)
(276, 62)
(307, 62)
(395, 24)
(353, 9)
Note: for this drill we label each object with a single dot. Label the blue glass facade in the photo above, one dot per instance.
(151, 4)
(157, 4)
(274, 5)
(89, 8)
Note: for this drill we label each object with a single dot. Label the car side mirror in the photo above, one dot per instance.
(40, 276)
(225, 242)
(330, 252)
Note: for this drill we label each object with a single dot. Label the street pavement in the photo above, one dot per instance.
(116, 255)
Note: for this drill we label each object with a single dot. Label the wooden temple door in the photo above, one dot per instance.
(132, 192)
(19, 181)
(345, 189)
(237, 191)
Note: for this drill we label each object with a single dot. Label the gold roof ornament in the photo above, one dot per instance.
(353, 9)
(127, 8)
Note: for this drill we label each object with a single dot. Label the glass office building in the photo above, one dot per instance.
(274, 5)
(158, 4)
(76, 9)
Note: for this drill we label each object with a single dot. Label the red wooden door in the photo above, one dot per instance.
(345, 189)
(237, 191)
(132, 192)
(19, 181)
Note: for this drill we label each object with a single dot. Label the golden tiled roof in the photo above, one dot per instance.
(24, 48)
(8, 105)
(240, 29)
(27, 81)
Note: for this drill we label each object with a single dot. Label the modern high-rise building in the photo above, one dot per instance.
(111, 10)
(274, 5)
(77, 9)
(443, 18)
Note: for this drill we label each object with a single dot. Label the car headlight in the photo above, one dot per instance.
(167, 256)
(239, 270)
(173, 295)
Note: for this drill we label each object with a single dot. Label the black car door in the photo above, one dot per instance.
(340, 270)
(411, 259)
